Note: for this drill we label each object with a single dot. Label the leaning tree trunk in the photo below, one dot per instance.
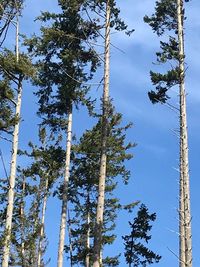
(97, 257)
(9, 213)
(65, 192)
(184, 143)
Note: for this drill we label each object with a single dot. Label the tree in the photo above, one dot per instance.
(83, 188)
(62, 77)
(14, 68)
(136, 252)
(169, 17)
(112, 20)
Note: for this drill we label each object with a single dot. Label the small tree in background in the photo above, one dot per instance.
(136, 252)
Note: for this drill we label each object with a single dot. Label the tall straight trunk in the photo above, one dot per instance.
(87, 258)
(97, 257)
(181, 214)
(65, 192)
(184, 139)
(41, 234)
(11, 191)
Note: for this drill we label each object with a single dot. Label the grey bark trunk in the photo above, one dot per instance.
(65, 192)
(184, 163)
(9, 213)
(102, 176)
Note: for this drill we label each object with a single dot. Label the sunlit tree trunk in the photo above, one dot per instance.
(184, 143)
(65, 192)
(9, 214)
(102, 177)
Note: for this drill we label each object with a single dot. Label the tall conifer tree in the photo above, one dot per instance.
(67, 65)
(169, 17)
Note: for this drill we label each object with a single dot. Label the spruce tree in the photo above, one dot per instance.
(169, 18)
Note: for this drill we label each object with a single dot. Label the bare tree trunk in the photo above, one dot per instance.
(41, 235)
(184, 143)
(65, 192)
(9, 214)
(181, 214)
(102, 176)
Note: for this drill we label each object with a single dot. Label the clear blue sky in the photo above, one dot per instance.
(154, 180)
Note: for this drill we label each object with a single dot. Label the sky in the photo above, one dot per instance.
(154, 180)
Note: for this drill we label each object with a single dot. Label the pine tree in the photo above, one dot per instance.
(169, 17)
(136, 252)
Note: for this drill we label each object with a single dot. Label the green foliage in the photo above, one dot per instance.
(13, 69)
(65, 64)
(164, 21)
(7, 116)
(11, 72)
(136, 252)
(164, 17)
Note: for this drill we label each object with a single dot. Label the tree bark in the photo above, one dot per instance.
(65, 192)
(184, 141)
(102, 176)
